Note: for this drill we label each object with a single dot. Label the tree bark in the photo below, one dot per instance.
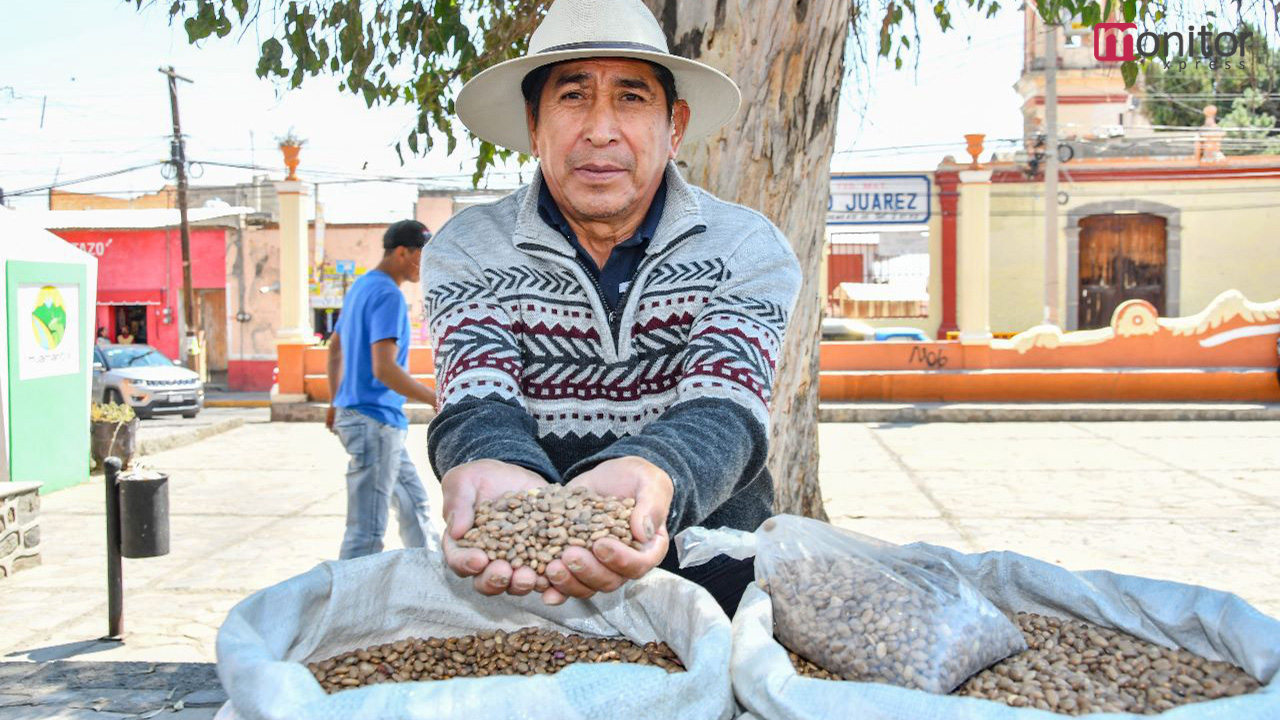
(787, 56)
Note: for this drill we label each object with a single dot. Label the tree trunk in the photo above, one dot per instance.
(788, 59)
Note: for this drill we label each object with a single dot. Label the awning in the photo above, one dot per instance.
(130, 296)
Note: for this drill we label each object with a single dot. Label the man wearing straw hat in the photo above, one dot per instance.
(608, 325)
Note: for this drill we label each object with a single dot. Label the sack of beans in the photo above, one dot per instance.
(396, 635)
(866, 609)
(1098, 643)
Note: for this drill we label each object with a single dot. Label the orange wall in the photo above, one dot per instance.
(314, 381)
(1163, 351)
(1113, 366)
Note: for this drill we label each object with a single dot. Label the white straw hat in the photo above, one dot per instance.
(492, 106)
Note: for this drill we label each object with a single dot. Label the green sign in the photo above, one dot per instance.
(48, 373)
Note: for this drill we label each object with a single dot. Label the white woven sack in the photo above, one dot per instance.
(341, 606)
(1214, 624)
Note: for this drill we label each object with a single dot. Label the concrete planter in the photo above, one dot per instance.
(109, 438)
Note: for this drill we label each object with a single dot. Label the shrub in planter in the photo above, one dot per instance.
(113, 430)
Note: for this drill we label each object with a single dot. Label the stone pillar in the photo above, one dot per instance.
(974, 258)
(1209, 142)
(948, 179)
(295, 316)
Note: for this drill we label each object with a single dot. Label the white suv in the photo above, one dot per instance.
(143, 377)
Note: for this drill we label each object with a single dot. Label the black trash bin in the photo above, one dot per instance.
(144, 515)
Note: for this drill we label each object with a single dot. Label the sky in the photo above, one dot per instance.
(80, 95)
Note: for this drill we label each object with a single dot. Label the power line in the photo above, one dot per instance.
(344, 177)
(1218, 208)
(99, 176)
(943, 145)
(1074, 189)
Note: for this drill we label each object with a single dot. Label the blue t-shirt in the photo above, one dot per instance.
(373, 310)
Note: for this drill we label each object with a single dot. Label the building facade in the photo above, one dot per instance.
(1143, 213)
(140, 287)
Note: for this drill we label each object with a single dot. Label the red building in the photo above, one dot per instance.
(140, 277)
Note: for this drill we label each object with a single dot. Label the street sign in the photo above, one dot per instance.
(878, 199)
(346, 267)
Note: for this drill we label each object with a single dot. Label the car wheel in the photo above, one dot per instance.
(189, 415)
(142, 414)
(113, 396)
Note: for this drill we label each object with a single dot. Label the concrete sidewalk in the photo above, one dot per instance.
(969, 412)
(167, 432)
(1189, 501)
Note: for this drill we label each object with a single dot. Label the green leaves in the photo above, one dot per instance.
(269, 59)
(1091, 14)
(1129, 71)
(943, 15)
(206, 21)
(384, 51)
(1247, 96)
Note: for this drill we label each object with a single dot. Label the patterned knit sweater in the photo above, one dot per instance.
(532, 368)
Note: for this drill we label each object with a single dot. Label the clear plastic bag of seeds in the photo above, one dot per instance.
(864, 609)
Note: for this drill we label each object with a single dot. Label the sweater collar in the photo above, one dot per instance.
(680, 214)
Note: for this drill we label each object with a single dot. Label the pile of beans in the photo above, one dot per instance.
(1076, 668)
(532, 528)
(913, 624)
(529, 651)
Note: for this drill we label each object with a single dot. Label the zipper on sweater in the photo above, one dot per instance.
(559, 257)
(615, 318)
(599, 289)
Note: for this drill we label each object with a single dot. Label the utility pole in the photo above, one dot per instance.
(1051, 315)
(179, 159)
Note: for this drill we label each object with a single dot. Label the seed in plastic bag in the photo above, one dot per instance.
(1074, 668)
(888, 617)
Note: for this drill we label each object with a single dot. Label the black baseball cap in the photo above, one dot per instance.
(406, 233)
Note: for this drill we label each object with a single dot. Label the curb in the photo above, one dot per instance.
(236, 403)
(1044, 412)
(315, 412)
(151, 446)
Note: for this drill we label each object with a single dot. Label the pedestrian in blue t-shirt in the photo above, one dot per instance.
(368, 357)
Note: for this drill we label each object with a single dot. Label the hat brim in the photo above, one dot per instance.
(492, 107)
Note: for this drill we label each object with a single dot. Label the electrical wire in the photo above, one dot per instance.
(896, 148)
(99, 176)
(1184, 210)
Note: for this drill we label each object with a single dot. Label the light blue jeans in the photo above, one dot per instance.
(380, 474)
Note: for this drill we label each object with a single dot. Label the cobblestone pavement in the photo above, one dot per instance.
(1192, 501)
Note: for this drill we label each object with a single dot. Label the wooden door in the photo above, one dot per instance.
(842, 268)
(213, 320)
(1122, 257)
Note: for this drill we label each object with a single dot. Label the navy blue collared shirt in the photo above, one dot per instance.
(620, 269)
